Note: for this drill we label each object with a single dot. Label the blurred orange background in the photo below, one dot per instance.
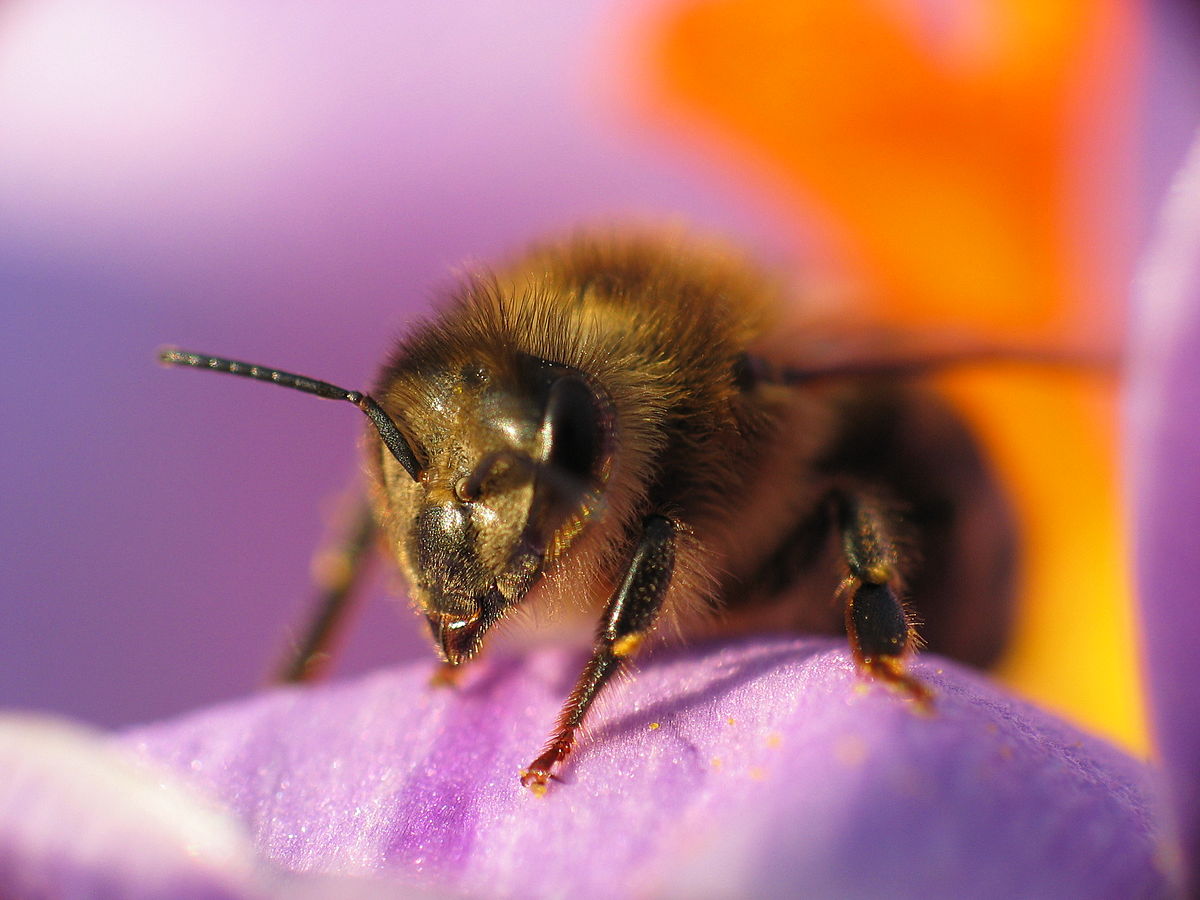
(972, 165)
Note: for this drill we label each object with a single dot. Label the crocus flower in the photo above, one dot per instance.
(754, 768)
(762, 766)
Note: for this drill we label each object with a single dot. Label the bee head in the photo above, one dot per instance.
(514, 460)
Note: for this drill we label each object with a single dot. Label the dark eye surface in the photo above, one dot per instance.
(574, 424)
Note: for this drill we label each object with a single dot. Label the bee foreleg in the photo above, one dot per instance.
(881, 631)
(628, 618)
(337, 572)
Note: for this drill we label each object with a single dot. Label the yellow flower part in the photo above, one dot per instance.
(972, 164)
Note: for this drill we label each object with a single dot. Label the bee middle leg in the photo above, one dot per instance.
(338, 571)
(628, 618)
(881, 631)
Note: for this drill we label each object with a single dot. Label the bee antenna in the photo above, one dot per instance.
(388, 431)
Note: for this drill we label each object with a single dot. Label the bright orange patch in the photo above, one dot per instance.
(971, 164)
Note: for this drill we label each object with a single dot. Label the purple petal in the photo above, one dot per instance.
(762, 767)
(79, 819)
(1163, 405)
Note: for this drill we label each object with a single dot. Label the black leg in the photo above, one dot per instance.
(338, 571)
(881, 631)
(627, 621)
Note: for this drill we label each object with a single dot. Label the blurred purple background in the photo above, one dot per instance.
(290, 189)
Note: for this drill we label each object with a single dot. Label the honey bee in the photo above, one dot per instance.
(620, 420)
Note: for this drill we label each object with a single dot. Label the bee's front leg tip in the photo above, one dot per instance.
(445, 676)
(539, 773)
(537, 779)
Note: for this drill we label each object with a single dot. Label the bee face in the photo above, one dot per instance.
(513, 467)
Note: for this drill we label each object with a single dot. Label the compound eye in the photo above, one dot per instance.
(572, 425)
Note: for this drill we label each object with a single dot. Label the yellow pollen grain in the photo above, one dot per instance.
(654, 726)
(538, 789)
(730, 721)
(880, 574)
(627, 645)
(716, 762)
(774, 740)
(757, 773)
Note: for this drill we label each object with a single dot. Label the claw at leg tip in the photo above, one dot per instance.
(536, 781)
